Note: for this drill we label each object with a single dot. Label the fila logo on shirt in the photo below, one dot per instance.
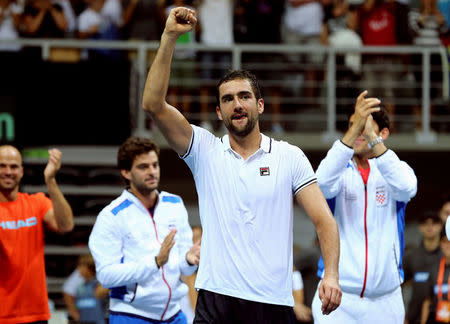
(264, 171)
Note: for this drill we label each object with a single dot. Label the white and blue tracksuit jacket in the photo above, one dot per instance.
(124, 242)
(371, 219)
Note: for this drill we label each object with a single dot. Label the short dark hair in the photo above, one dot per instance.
(88, 261)
(132, 147)
(432, 215)
(381, 118)
(240, 75)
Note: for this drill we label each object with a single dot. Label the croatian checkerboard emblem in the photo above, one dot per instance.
(380, 197)
(264, 171)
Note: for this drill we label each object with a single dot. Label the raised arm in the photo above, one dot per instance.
(315, 205)
(170, 121)
(60, 218)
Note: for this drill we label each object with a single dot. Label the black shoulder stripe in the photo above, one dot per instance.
(270, 145)
(190, 146)
(304, 185)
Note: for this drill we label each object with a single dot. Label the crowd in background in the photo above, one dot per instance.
(378, 22)
(227, 22)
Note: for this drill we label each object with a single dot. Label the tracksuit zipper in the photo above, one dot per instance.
(162, 271)
(367, 243)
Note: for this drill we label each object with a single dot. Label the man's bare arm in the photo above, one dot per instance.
(315, 205)
(170, 121)
(60, 218)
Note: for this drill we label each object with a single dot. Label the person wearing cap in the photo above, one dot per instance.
(436, 306)
(419, 262)
(367, 187)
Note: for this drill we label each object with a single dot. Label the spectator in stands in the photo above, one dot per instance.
(85, 298)
(23, 292)
(302, 312)
(69, 290)
(216, 29)
(302, 25)
(142, 19)
(306, 261)
(259, 22)
(382, 23)
(69, 13)
(444, 9)
(419, 262)
(444, 212)
(428, 26)
(100, 20)
(134, 245)
(436, 307)
(337, 31)
(10, 13)
(44, 19)
(10, 60)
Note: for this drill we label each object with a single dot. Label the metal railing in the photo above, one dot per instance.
(140, 67)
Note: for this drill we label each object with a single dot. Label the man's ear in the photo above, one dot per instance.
(219, 113)
(384, 133)
(125, 174)
(260, 106)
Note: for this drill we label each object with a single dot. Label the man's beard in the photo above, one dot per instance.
(144, 189)
(251, 123)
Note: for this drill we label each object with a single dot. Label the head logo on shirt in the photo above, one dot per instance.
(265, 171)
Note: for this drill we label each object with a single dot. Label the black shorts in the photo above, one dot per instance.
(213, 308)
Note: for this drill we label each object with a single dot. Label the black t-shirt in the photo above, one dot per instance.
(432, 290)
(417, 265)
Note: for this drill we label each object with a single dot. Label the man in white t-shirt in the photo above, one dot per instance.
(246, 184)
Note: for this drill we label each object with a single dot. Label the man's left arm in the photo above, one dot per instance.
(398, 174)
(315, 205)
(60, 218)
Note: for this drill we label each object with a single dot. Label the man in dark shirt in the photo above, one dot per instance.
(436, 306)
(420, 261)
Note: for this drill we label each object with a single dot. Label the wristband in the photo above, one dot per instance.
(376, 141)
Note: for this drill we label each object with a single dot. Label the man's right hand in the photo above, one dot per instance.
(166, 246)
(363, 108)
(180, 21)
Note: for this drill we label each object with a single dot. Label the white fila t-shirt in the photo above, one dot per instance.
(246, 210)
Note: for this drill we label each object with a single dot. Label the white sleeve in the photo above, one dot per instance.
(302, 171)
(297, 280)
(185, 240)
(71, 284)
(447, 228)
(105, 244)
(399, 175)
(330, 170)
(201, 141)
